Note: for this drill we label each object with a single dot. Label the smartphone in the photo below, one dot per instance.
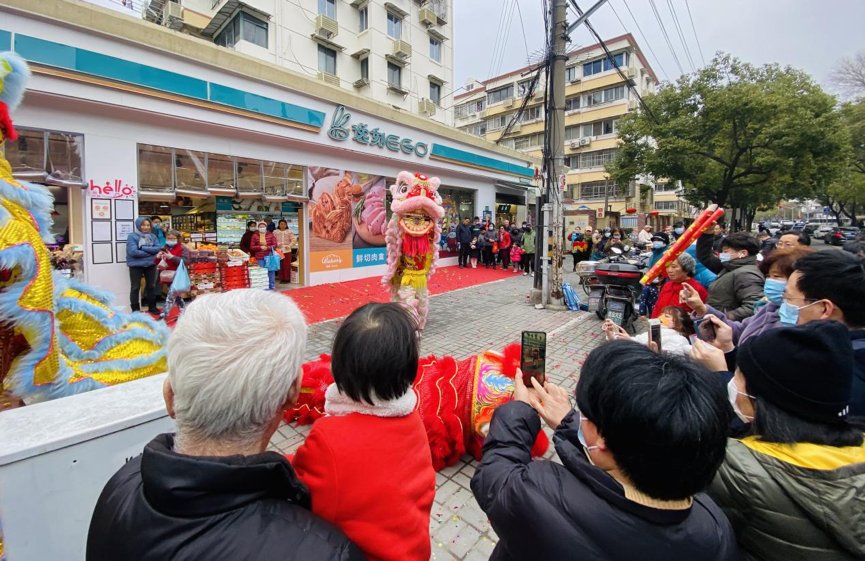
(705, 329)
(534, 356)
(655, 332)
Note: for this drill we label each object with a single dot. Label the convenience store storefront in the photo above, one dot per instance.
(194, 141)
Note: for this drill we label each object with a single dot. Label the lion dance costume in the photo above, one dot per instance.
(57, 336)
(412, 236)
(456, 400)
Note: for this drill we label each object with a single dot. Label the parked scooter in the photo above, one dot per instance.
(618, 289)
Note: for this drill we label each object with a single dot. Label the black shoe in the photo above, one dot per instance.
(154, 311)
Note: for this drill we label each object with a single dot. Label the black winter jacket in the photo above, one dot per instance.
(165, 506)
(464, 233)
(543, 510)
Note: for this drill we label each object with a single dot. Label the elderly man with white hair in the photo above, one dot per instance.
(211, 491)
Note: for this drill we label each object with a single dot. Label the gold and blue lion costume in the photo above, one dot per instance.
(59, 336)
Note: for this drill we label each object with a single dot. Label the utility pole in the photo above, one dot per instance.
(555, 158)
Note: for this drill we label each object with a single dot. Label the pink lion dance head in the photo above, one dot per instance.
(412, 235)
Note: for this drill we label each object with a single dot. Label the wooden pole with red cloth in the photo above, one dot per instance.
(707, 217)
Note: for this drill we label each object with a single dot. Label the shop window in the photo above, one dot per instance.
(220, 171)
(249, 176)
(190, 171)
(27, 154)
(155, 168)
(64, 158)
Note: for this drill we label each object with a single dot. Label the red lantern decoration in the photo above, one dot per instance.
(654, 213)
(630, 210)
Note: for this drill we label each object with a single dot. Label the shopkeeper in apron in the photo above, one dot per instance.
(284, 240)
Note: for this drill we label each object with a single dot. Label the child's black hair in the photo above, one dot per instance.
(375, 352)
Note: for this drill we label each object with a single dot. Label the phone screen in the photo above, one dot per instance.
(705, 329)
(655, 332)
(534, 356)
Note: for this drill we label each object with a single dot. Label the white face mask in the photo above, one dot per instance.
(732, 393)
(262, 229)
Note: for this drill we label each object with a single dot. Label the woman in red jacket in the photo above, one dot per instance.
(679, 272)
(168, 260)
(504, 247)
(260, 245)
(367, 463)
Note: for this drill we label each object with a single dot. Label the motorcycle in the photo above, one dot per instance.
(617, 290)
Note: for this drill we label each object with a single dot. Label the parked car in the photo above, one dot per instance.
(840, 234)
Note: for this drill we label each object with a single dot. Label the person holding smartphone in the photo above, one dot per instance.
(616, 493)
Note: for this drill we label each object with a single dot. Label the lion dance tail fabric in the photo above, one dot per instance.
(456, 400)
(412, 233)
(57, 336)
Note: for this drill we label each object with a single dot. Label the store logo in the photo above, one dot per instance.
(115, 190)
(331, 260)
(361, 133)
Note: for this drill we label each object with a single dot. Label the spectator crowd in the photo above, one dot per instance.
(743, 440)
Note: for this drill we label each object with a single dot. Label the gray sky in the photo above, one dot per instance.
(804, 34)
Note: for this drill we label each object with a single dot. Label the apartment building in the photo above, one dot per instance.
(397, 52)
(597, 96)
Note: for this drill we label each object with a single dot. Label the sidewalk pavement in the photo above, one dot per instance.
(462, 323)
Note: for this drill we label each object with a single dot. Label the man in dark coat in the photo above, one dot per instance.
(464, 237)
(211, 491)
(740, 283)
(647, 437)
(831, 285)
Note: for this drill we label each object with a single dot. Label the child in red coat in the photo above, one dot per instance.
(367, 463)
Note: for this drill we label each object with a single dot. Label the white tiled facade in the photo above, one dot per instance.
(397, 52)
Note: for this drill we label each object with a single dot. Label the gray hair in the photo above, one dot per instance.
(232, 360)
(687, 263)
(174, 233)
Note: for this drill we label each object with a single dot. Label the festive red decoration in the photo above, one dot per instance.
(447, 393)
(653, 213)
(630, 210)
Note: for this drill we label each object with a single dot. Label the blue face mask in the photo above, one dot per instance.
(774, 290)
(724, 257)
(788, 314)
(658, 245)
(679, 231)
(582, 438)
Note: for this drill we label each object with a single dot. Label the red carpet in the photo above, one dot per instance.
(328, 301)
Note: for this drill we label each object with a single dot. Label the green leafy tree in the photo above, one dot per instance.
(737, 135)
(844, 194)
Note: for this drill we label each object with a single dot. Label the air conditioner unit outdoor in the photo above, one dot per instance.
(585, 141)
(426, 107)
(574, 144)
(361, 83)
(172, 15)
(428, 17)
(401, 49)
(575, 80)
(329, 78)
(509, 102)
(631, 72)
(326, 27)
(516, 127)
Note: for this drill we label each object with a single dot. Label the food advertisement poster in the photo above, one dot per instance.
(347, 219)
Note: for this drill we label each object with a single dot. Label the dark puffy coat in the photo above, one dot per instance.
(544, 510)
(813, 511)
(163, 505)
(857, 394)
(739, 284)
(464, 233)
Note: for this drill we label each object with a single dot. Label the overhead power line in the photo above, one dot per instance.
(681, 35)
(666, 36)
(696, 37)
(643, 35)
(523, 26)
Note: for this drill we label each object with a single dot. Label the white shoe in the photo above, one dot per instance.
(532, 274)
(525, 274)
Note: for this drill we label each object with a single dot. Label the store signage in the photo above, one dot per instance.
(362, 134)
(116, 189)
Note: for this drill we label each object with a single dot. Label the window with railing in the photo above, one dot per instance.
(501, 94)
(499, 122)
(572, 103)
(599, 128)
(666, 205)
(598, 190)
(531, 114)
(665, 187)
(528, 141)
(597, 158)
(608, 95)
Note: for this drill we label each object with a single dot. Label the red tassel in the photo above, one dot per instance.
(542, 444)
(511, 361)
(6, 126)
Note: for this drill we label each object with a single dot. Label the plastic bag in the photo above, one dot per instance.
(272, 261)
(181, 282)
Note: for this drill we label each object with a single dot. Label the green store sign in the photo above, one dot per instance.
(361, 133)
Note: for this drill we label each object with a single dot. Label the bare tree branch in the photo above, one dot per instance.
(849, 75)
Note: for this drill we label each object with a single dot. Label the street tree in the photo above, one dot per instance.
(845, 194)
(849, 75)
(741, 136)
